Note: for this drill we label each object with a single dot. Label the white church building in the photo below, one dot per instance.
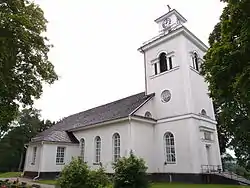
(171, 124)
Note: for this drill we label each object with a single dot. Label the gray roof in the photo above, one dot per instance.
(115, 110)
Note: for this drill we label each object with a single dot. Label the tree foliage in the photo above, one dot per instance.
(24, 64)
(227, 69)
(12, 151)
(130, 172)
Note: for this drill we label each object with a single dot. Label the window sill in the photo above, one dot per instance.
(209, 141)
(168, 163)
(160, 74)
(60, 163)
(97, 163)
(193, 69)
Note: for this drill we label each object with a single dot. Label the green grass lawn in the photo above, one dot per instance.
(48, 182)
(166, 185)
(10, 174)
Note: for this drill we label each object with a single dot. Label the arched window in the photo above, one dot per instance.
(163, 62)
(169, 148)
(82, 148)
(116, 147)
(98, 143)
(148, 114)
(203, 112)
(196, 61)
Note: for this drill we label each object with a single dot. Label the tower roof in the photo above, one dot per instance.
(170, 13)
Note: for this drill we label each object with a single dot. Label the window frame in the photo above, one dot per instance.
(170, 62)
(98, 149)
(163, 61)
(195, 61)
(82, 149)
(34, 153)
(169, 148)
(208, 135)
(203, 112)
(60, 155)
(116, 140)
(148, 114)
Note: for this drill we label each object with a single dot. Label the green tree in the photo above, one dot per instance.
(227, 69)
(24, 64)
(12, 151)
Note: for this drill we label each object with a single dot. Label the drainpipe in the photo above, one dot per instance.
(38, 175)
(130, 133)
(39, 164)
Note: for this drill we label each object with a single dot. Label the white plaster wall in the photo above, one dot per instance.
(190, 148)
(48, 164)
(148, 107)
(106, 133)
(29, 155)
(143, 142)
(173, 80)
(214, 144)
(199, 88)
(183, 147)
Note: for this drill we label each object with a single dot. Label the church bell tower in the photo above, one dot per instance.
(181, 104)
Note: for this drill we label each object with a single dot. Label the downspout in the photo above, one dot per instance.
(130, 134)
(39, 164)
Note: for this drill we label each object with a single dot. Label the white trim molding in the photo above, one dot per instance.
(186, 116)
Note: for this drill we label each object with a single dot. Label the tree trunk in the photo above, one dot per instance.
(20, 162)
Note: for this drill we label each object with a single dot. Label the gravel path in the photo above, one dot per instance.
(30, 182)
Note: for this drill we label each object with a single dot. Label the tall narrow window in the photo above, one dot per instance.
(98, 149)
(170, 62)
(34, 156)
(82, 148)
(60, 153)
(169, 148)
(163, 62)
(116, 146)
(196, 61)
(155, 66)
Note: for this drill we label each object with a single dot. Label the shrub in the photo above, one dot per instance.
(74, 175)
(98, 179)
(78, 175)
(130, 173)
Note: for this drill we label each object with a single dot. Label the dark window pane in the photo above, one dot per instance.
(155, 65)
(163, 62)
(170, 63)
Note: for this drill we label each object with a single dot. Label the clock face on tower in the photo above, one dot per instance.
(166, 23)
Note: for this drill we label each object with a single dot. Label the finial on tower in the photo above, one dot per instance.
(169, 8)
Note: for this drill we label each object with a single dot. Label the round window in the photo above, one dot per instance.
(165, 96)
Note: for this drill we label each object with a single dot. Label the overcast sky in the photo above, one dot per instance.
(96, 42)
